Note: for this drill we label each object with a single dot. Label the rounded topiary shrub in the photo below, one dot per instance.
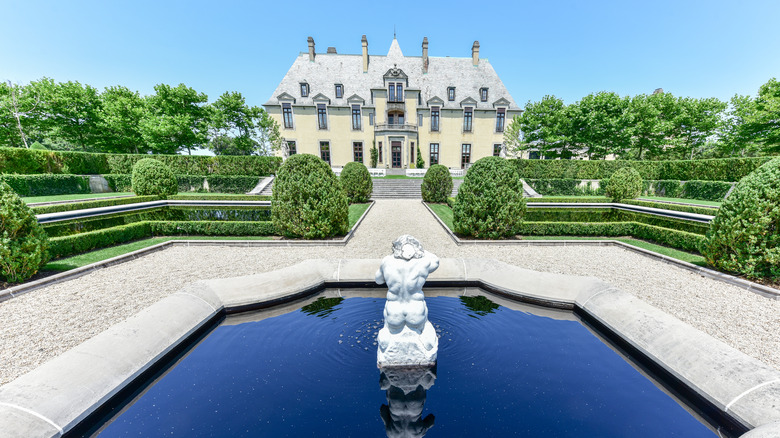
(437, 184)
(152, 177)
(490, 201)
(23, 244)
(356, 182)
(308, 200)
(625, 183)
(744, 237)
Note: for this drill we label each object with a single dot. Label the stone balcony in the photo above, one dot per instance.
(395, 127)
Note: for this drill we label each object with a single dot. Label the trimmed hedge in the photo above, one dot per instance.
(221, 197)
(569, 200)
(152, 177)
(70, 206)
(437, 184)
(625, 183)
(673, 238)
(695, 189)
(604, 215)
(563, 187)
(356, 182)
(28, 161)
(705, 190)
(79, 243)
(47, 184)
(724, 169)
(239, 184)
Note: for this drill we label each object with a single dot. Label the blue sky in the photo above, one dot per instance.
(566, 48)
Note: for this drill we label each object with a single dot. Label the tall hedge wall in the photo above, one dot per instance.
(30, 161)
(726, 169)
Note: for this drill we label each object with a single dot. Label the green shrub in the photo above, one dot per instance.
(38, 147)
(356, 182)
(745, 235)
(79, 243)
(490, 201)
(119, 182)
(437, 184)
(23, 244)
(308, 200)
(451, 201)
(420, 163)
(47, 184)
(625, 183)
(151, 177)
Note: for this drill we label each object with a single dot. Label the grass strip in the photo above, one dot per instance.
(99, 255)
(685, 201)
(355, 211)
(55, 198)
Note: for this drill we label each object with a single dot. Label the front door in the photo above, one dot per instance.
(396, 150)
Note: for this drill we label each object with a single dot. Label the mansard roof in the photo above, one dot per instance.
(328, 69)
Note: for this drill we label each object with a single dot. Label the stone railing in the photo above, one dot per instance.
(416, 173)
(395, 127)
(374, 172)
(456, 172)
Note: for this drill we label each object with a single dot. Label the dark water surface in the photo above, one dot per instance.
(312, 372)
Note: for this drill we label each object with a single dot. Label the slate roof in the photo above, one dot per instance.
(329, 69)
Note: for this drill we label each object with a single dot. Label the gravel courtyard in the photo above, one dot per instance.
(44, 323)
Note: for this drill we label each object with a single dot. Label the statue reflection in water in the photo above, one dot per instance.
(406, 389)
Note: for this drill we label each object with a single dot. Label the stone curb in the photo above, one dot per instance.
(55, 397)
(760, 289)
(46, 218)
(12, 292)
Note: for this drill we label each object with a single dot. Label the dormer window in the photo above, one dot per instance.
(483, 94)
(395, 92)
(339, 91)
(304, 89)
(450, 93)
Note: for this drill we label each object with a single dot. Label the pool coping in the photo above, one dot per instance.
(760, 289)
(12, 292)
(55, 397)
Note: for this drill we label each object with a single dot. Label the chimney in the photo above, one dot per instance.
(425, 55)
(364, 42)
(475, 53)
(311, 49)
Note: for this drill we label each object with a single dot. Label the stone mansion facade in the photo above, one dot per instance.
(339, 106)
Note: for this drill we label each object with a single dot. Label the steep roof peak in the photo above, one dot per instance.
(395, 50)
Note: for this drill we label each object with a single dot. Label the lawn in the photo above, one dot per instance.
(81, 196)
(444, 212)
(682, 200)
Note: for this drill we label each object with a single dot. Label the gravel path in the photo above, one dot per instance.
(44, 323)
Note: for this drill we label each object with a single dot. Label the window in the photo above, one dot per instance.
(395, 92)
(371, 119)
(434, 153)
(322, 116)
(287, 115)
(435, 118)
(483, 94)
(304, 89)
(291, 149)
(534, 155)
(500, 119)
(419, 99)
(412, 157)
(380, 151)
(467, 119)
(496, 150)
(356, 117)
(450, 93)
(357, 151)
(419, 119)
(325, 151)
(465, 156)
(339, 91)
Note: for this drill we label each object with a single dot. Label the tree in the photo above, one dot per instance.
(646, 128)
(737, 140)
(764, 124)
(696, 121)
(545, 129)
(176, 119)
(20, 114)
(374, 155)
(250, 129)
(121, 114)
(73, 114)
(420, 164)
(599, 124)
